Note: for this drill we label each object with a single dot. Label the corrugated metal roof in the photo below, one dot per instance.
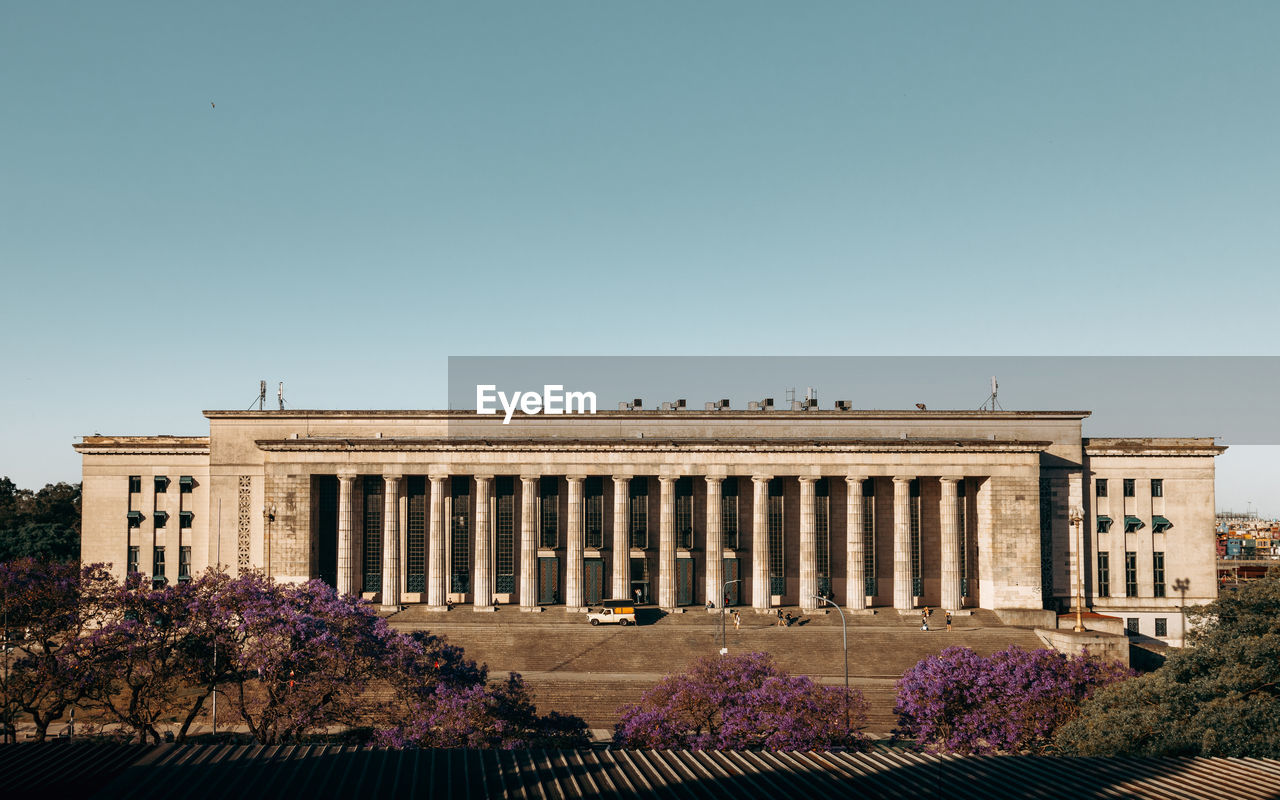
(316, 771)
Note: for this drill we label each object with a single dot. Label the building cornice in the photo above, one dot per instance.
(772, 445)
(144, 445)
(1151, 446)
(646, 414)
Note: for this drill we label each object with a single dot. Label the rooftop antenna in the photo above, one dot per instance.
(280, 395)
(262, 395)
(992, 402)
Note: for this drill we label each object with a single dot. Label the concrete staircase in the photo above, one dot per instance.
(591, 671)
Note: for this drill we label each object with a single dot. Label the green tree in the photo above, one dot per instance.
(1218, 697)
(44, 524)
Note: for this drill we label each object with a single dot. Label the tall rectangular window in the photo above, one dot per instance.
(638, 500)
(1130, 574)
(1104, 574)
(1157, 487)
(684, 512)
(777, 562)
(822, 533)
(1101, 486)
(372, 533)
(185, 484)
(593, 489)
(549, 502)
(162, 484)
(460, 535)
(729, 512)
(415, 535)
(504, 534)
(869, 537)
(917, 585)
(157, 564)
(1129, 487)
(1157, 573)
(184, 563)
(133, 558)
(185, 518)
(135, 484)
(1131, 625)
(1162, 626)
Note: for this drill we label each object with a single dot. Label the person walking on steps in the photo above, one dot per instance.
(948, 622)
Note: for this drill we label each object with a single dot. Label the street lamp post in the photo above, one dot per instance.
(724, 642)
(1076, 519)
(844, 633)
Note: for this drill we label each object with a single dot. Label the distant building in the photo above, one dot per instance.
(875, 509)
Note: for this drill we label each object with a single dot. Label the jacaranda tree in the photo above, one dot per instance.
(45, 608)
(741, 702)
(1010, 701)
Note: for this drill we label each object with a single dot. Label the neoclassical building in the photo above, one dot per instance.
(760, 508)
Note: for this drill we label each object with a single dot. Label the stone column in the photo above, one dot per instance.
(436, 589)
(902, 589)
(760, 594)
(949, 512)
(574, 543)
(667, 543)
(346, 542)
(391, 544)
(808, 546)
(621, 545)
(528, 542)
(855, 546)
(715, 544)
(482, 586)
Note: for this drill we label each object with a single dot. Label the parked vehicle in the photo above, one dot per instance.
(609, 612)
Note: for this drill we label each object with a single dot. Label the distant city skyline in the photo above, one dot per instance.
(198, 198)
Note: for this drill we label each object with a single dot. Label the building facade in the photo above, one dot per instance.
(761, 508)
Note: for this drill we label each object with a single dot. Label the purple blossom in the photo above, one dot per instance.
(740, 702)
(1010, 701)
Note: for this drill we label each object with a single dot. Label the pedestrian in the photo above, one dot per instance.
(924, 623)
(637, 594)
(726, 601)
(948, 622)
(737, 620)
(780, 622)
(789, 619)
(928, 612)
(710, 605)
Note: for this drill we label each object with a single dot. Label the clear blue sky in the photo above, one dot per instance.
(380, 188)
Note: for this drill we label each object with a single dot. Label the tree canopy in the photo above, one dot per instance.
(741, 702)
(43, 524)
(1010, 701)
(1218, 697)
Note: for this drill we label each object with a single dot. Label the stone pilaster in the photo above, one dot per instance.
(391, 544)
(347, 560)
(760, 594)
(949, 513)
(528, 542)
(902, 596)
(482, 587)
(436, 590)
(621, 544)
(574, 542)
(715, 544)
(854, 581)
(808, 546)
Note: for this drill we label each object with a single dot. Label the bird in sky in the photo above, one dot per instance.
(211, 105)
(920, 406)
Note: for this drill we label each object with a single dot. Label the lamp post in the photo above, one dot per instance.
(844, 633)
(1076, 519)
(724, 644)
